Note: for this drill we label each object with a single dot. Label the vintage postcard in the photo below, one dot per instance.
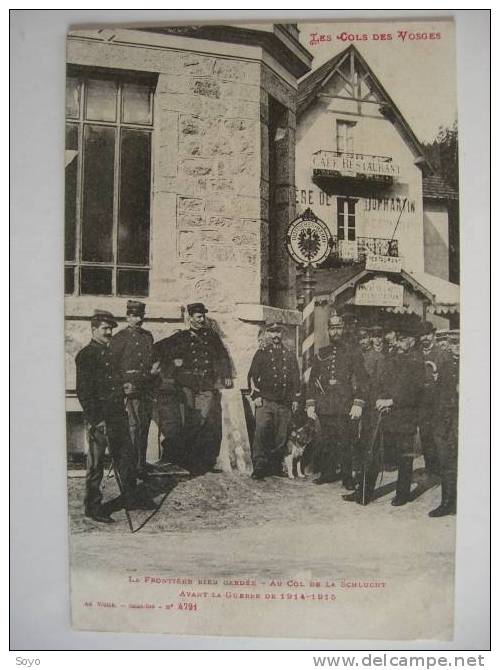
(262, 268)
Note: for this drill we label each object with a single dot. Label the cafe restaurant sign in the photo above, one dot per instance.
(379, 292)
(348, 164)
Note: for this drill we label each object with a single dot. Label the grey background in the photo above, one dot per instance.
(39, 538)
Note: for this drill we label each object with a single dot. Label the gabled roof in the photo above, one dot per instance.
(311, 85)
(434, 188)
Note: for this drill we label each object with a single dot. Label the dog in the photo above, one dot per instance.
(299, 439)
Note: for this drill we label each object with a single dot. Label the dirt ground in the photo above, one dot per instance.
(218, 505)
(229, 526)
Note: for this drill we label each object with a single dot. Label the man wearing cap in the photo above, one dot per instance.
(131, 351)
(399, 396)
(336, 394)
(368, 465)
(437, 370)
(446, 427)
(101, 395)
(274, 380)
(167, 357)
(202, 369)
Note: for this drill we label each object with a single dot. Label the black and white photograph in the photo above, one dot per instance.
(262, 328)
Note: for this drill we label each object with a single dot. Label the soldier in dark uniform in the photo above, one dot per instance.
(203, 369)
(435, 357)
(131, 350)
(336, 371)
(167, 357)
(274, 380)
(446, 429)
(102, 397)
(368, 462)
(399, 395)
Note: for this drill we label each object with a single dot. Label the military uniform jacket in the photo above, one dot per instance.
(338, 379)
(439, 381)
(165, 351)
(132, 352)
(97, 388)
(374, 362)
(274, 374)
(403, 382)
(204, 360)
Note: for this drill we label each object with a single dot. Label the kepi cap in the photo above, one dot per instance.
(105, 317)
(136, 307)
(196, 308)
(274, 327)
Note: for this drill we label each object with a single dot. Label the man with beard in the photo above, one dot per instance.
(202, 368)
(101, 395)
(399, 395)
(336, 370)
(446, 429)
(131, 351)
(274, 379)
(437, 371)
(368, 465)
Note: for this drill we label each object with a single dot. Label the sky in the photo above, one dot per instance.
(418, 74)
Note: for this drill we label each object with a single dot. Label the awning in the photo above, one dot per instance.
(446, 295)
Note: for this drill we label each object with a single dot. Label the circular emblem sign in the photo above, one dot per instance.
(308, 240)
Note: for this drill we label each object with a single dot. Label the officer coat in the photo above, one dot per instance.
(274, 374)
(132, 354)
(204, 359)
(374, 362)
(97, 388)
(403, 382)
(338, 379)
(439, 381)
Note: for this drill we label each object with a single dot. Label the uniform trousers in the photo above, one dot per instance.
(272, 421)
(202, 428)
(117, 440)
(171, 419)
(139, 411)
(446, 438)
(427, 422)
(404, 446)
(335, 446)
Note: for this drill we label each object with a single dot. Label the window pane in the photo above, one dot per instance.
(72, 98)
(97, 206)
(133, 282)
(136, 103)
(95, 281)
(71, 161)
(101, 100)
(69, 281)
(135, 195)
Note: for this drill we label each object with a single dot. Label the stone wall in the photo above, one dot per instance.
(210, 205)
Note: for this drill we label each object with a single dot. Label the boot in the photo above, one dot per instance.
(448, 504)
(403, 486)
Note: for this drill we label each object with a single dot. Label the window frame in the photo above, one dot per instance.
(349, 135)
(120, 78)
(346, 213)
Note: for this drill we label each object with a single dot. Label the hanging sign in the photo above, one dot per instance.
(308, 240)
(379, 292)
(384, 263)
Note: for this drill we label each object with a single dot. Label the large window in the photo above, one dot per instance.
(109, 121)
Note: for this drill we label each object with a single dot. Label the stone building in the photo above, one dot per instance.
(180, 171)
(362, 170)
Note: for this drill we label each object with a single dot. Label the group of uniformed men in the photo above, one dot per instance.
(118, 378)
(367, 393)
